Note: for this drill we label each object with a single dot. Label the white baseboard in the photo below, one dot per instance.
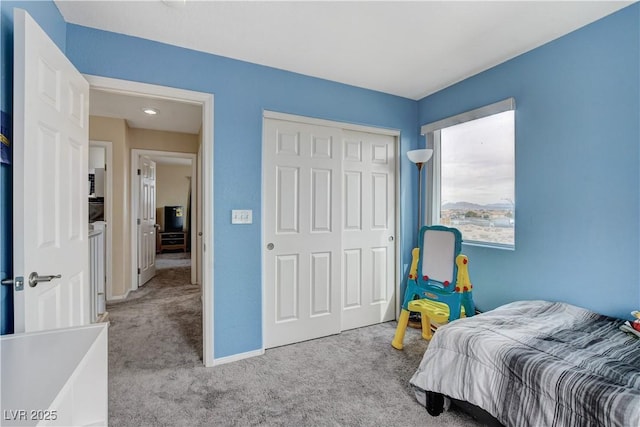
(103, 317)
(236, 357)
(119, 297)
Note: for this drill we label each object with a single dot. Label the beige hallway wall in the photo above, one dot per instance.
(124, 139)
(147, 139)
(115, 130)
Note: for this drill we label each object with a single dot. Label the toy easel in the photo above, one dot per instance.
(434, 292)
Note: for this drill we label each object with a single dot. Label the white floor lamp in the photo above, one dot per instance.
(420, 157)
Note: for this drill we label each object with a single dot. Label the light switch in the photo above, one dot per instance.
(241, 216)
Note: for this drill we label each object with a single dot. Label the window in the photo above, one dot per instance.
(473, 174)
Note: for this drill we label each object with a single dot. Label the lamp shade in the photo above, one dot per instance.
(420, 156)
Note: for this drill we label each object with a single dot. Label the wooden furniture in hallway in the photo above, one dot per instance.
(172, 240)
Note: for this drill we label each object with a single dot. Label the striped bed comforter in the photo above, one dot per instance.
(537, 363)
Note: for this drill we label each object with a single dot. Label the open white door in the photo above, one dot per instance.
(147, 221)
(50, 178)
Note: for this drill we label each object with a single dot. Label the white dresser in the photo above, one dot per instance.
(56, 377)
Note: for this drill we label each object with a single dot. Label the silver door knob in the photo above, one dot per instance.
(34, 279)
(391, 238)
(270, 246)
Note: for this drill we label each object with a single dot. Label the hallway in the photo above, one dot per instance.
(156, 330)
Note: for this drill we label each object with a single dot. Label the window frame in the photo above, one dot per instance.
(431, 131)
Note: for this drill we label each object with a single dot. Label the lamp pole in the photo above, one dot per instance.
(419, 165)
(419, 157)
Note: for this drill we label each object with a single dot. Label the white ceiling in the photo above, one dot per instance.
(171, 161)
(172, 115)
(410, 49)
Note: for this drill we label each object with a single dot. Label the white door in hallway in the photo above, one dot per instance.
(368, 206)
(50, 183)
(302, 231)
(147, 221)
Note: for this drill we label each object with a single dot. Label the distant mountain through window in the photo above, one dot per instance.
(477, 182)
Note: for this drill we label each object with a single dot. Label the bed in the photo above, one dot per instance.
(535, 363)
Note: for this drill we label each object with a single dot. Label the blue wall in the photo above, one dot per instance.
(577, 155)
(577, 168)
(242, 91)
(49, 18)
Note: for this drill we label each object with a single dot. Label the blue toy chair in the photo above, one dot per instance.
(438, 284)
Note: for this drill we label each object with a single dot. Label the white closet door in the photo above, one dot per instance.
(368, 200)
(302, 231)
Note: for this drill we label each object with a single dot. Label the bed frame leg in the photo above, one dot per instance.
(434, 402)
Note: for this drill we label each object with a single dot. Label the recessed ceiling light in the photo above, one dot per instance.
(150, 111)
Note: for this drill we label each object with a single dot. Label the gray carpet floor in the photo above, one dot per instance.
(156, 376)
(173, 260)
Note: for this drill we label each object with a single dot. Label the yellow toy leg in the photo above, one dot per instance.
(426, 326)
(400, 330)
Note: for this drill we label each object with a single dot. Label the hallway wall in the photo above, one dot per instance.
(115, 130)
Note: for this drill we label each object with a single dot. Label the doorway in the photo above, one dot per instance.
(100, 206)
(176, 191)
(202, 240)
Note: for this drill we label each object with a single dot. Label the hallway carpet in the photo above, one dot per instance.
(173, 260)
(156, 376)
